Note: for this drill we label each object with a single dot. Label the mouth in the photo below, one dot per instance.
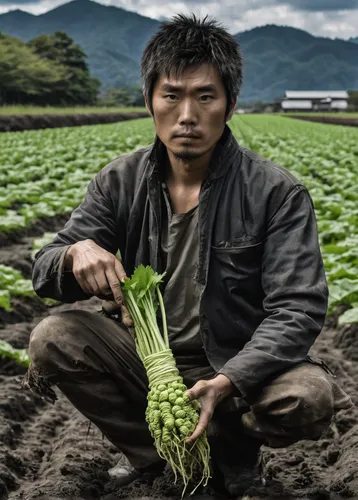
(186, 136)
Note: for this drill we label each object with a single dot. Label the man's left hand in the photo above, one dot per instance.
(209, 393)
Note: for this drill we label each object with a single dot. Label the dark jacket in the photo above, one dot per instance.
(264, 292)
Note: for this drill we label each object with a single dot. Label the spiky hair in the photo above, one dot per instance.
(186, 41)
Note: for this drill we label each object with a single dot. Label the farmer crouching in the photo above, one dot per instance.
(245, 290)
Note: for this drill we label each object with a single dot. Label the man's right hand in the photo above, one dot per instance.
(98, 273)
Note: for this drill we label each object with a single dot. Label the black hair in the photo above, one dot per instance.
(186, 41)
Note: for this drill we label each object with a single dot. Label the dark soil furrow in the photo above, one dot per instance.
(13, 123)
(331, 120)
(53, 457)
(17, 237)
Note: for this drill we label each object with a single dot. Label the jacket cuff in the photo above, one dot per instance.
(61, 270)
(231, 373)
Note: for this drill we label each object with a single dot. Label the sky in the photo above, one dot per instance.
(329, 18)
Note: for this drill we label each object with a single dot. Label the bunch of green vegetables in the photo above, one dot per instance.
(170, 414)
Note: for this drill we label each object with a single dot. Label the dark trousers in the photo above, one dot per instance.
(92, 360)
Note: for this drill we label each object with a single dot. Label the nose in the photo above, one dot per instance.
(188, 112)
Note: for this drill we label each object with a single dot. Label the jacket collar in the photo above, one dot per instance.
(225, 151)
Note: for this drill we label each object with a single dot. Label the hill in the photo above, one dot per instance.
(112, 38)
(277, 58)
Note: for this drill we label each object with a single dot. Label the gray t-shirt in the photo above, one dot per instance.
(180, 253)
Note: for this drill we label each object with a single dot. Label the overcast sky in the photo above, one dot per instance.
(331, 18)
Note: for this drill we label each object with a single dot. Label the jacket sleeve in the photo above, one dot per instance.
(296, 296)
(94, 219)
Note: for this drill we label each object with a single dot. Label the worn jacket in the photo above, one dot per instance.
(263, 287)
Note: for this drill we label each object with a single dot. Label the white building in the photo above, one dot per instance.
(315, 100)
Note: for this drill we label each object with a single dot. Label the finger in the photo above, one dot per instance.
(126, 317)
(197, 390)
(110, 307)
(84, 283)
(104, 290)
(120, 272)
(81, 278)
(92, 284)
(115, 285)
(205, 417)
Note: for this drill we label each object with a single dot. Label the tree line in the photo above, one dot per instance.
(47, 70)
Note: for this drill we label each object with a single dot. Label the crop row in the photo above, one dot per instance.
(45, 173)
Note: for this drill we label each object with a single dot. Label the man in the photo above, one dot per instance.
(245, 291)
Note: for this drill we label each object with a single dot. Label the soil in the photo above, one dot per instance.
(12, 123)
(333, 120)
(51, 452)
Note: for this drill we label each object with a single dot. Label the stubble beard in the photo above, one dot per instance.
(186, 155)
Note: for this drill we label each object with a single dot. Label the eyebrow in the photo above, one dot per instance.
(168, 87)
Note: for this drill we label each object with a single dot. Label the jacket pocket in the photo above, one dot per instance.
(235, 289)
(236, 247)
(238, 267)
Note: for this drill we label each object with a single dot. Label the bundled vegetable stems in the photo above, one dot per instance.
(170, 414)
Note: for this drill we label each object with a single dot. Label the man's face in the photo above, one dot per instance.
(189, 112)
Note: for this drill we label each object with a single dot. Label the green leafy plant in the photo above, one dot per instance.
(170, 414)
(19, 355)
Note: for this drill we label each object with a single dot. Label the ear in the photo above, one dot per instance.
(147, 105)
(232, 109)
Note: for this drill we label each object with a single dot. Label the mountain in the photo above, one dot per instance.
(112, 38)
(353, 40)
(279, 58)
(276, 58)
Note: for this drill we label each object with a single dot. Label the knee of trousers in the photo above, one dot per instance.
(52, 339)
(300, 398)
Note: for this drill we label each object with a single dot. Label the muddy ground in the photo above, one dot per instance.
(332, 120)
(16, 123)
(49, 452)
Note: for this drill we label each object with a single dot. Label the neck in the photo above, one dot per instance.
(188, 172)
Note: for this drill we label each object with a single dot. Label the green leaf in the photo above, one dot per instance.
(19, 355)
(343, 291)
(143, 279)
(5, 300)
(348, 317)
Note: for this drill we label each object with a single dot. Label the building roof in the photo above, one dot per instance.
(316, 94)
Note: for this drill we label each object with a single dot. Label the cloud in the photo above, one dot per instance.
(304, 5)
(330, 18)
(18, 2)
(32, 6)
(322, 5)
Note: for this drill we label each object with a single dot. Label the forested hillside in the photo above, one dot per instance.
(48, 69)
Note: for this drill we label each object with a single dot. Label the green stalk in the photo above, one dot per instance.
(164, 317)
(148, 321)
(152, 320)
(137, 316)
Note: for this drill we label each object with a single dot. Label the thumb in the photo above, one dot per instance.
(196, 391)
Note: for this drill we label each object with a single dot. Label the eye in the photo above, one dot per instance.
(171, 97)
(206, 98)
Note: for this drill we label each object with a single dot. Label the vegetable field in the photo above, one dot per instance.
(45, 450)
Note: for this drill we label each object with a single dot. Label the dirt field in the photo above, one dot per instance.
(332, 120)
(15, 123)
(49, 452)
